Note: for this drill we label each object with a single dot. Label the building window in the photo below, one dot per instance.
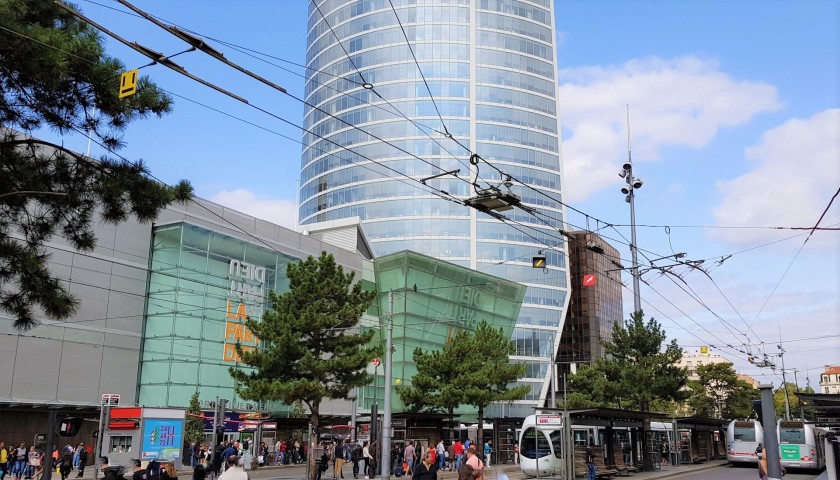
(121, 444)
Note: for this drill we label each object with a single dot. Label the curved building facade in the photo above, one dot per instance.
(490, 85)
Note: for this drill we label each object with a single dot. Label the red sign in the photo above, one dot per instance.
(375, 362)
(589, 281)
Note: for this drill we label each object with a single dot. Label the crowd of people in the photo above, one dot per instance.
(412, 460)
(24, 463)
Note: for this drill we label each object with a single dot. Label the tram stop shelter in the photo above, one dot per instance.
(700, 439)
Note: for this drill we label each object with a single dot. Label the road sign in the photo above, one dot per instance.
(110, 399)
(375, 362)
(590, 280)
(128, 83)
(538, 262)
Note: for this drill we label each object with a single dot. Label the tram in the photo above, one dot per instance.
(801, 445)
(742, 439)
(540, 446)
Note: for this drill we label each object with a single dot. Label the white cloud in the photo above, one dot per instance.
(677, 102)
(795, 170)
(281, 212)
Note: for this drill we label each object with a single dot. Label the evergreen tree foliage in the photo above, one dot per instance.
(720, 394)
(636, 371)
(194, 427)
(436, 386)
(487, 375)
(310, 346)
(54, 74)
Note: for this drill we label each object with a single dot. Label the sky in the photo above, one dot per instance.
(734, 128)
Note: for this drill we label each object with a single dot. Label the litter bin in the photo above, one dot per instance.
(675, 458)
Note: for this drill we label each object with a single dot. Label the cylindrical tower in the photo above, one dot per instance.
(490, 82)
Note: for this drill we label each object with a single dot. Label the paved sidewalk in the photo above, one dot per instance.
(495, 472)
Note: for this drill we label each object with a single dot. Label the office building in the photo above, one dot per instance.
(595, 300)
(484, 82)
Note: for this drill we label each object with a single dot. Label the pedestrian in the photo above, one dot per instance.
(762, 464)
(169, 472)
(20, 461)
(426, 469)
(475, 463)
(66, 465)
(516, 453)
(488, 449)
(355, 457)
(441, 454)
(366, 457)
(278, 452)
(83, 458)
(627, 452)
(590, 459)
(234, 471)
(4, 458)
(140, 473)
(458, 450)
(666, 452)
(199, 473)
(339, 459)
(408, 454)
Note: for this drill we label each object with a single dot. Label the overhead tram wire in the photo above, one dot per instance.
(200, 45)
(695, 297)
(813, 229)
(369, 86)
(178, 69)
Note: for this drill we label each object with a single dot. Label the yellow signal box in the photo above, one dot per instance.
(128, 83)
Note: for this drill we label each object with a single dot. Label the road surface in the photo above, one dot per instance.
(743, 473)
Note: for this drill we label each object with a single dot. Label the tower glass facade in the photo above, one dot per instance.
(490, 68)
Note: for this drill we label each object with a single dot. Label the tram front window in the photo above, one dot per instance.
(556, 443)
(534, 444)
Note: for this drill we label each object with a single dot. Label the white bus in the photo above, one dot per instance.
(742, 439)
(801, 445)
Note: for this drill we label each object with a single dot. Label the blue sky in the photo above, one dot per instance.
(734, 119)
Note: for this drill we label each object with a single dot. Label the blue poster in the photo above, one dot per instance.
(163, 438)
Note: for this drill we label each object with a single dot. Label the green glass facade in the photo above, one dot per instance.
(448, 298)
(202, 285)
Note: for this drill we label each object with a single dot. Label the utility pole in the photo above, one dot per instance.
(633, 184)
(784, 380)
(771, 443)
(801, 408)
(386, 413)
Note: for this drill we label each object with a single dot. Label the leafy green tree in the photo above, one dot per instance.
(310, 345)
(739, 404)
(487, 375)
(194, 427)
(699, 402)
(54, 74)
(779, 399)
(636, 370)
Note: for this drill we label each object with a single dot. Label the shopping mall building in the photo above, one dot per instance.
(161, 306)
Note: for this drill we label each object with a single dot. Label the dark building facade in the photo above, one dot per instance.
(595, 300)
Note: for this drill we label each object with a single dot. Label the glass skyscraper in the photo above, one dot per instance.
(489, 89)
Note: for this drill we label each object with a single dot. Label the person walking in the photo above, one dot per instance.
(366, 457)
(340, 458)
(278, 452)
(441, 454)
(408, 454)
(66, 465)
(458, 451)
(590, 459)
(169, 472)
(20, 461)
(488, 449)
(83, 459)
(4, 458)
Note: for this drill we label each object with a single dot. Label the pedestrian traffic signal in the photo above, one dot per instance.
(70, 426)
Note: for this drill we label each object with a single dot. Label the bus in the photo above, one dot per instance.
(742, 439)
(801, 445)
(540, 446)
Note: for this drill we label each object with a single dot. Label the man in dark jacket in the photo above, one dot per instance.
(427, 470)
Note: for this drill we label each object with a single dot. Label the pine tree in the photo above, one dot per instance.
(636, 370)
(54, 74)
(486, 372)
(311, 347)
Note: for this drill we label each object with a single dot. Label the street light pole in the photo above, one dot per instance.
(633, 184)
(386, 414)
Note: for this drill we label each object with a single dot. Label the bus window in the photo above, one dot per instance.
(792, 435)
(534, 444)
(744, 434)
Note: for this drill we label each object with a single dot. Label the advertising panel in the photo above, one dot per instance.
(162, 438)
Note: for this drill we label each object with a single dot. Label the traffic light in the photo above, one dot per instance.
(538, 261)
(70, 426)
(757, 410)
